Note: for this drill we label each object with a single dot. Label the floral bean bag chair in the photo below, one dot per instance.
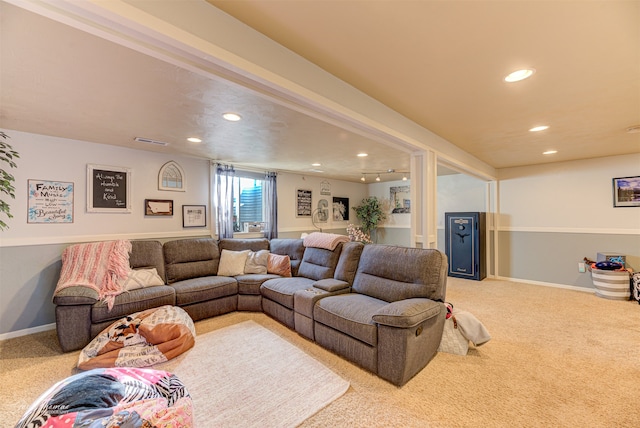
(141, 339)
(114, 397)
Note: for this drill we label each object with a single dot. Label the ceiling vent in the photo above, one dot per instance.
(150, 141)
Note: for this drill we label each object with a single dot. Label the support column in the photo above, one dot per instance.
(424, 175)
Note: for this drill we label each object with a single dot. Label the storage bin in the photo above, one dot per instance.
(611, 284)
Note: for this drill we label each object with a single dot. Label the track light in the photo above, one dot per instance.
(378, 177)
(363, 178)
(404, 177)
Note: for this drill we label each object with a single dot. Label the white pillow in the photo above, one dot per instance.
(257, 262)
(140, 278)
(232, 262)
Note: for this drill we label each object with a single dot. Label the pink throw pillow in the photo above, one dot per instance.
(279, 265)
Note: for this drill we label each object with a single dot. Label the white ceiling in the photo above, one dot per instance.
(439, 63)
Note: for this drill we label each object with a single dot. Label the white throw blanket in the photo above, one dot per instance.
(471, 328)
(101, 266)
(327, 241)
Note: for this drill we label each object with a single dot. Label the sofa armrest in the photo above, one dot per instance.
(76, 295)
(407, 313)
(331, 284)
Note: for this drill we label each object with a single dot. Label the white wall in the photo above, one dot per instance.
(290, 225)
(460, 193)
(567, 196)
(59, 159)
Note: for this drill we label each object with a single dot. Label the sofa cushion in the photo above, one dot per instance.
(250, 283)
(348, 261)
(203, 289)
(279, 265)
(147, 255)
(257, 262)
(133, 301)
(232, 262)
(350, 314)
(281, 290)
(393, 273)
(236, 244)
(190, 258)
(294, 248)
(141, 278)
(319, 263)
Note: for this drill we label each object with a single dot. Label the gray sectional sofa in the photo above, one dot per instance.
(378, 306)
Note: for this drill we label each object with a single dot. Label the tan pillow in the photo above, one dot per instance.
(257, 262)
(279, 265)
(232, 262)
(140, 278)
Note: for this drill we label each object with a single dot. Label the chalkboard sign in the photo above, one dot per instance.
(108, 189)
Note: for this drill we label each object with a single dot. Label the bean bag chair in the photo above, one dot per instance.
(141, 339)
(114, 397)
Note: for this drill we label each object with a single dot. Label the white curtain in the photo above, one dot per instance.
(223, 199)
(270, 206)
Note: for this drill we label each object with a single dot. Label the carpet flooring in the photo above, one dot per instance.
(557, 358)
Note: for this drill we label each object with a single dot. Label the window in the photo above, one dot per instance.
(248, 191)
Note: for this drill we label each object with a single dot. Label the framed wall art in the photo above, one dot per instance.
(172, 177)
(108, 189)
(50, 201)
(194, 216)
(626, 192)
(303, 203)
(340, 209)
(153, 207)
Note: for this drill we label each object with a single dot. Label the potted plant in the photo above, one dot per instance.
(7, 156)
(370, 213)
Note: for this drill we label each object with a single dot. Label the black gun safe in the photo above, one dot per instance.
(465, 236)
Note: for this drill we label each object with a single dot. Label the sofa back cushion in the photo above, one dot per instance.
(393, 273)
(235, 244)
(190, 258)
(147, 255)
(294, 248)
(319, 263)
(348, 261)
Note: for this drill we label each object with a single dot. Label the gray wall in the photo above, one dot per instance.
(554, 257)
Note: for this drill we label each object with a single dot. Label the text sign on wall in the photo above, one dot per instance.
(108, 189)
(50, 202)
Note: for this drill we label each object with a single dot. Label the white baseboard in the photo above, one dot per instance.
(547, 284)
(26, 331)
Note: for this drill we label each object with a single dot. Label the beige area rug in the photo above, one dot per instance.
(245, 375)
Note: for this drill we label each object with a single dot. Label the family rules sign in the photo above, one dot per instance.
(50, 202)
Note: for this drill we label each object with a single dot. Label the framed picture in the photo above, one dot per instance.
(171, 177)
(626, 192)
(322, 211)
(400, 197)
(154, 207)
(108, 189)
(50, 202)
(303, 203)
(194, 216)
(340, 209)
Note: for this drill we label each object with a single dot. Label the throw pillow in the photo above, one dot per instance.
(279, 265)
(232, 262)
(140, 278)
(257, 262)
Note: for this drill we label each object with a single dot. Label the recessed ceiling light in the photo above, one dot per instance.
(316, 164)
(539, 128)
(194, 140)
(519, 75)
(550, 152)
(232, 117)
(362, 155)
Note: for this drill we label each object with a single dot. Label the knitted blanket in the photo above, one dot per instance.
(328, 241)
(101, 266)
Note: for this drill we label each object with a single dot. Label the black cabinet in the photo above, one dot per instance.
(465, 244)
